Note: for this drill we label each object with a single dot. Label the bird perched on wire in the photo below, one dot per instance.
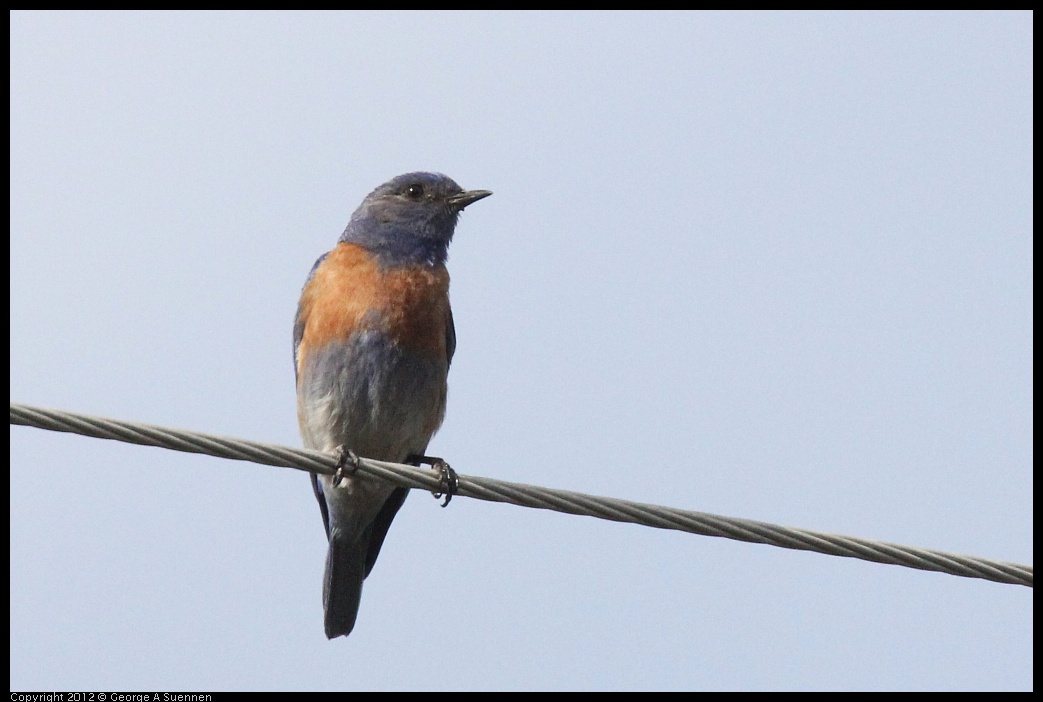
(372, 343)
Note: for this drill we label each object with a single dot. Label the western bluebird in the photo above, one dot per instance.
(372, 343)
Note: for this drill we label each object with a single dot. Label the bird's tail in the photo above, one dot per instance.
(342, 583)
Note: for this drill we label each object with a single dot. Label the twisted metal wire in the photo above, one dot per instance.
(531, 496)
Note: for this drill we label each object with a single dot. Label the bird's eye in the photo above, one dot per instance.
(415, 191)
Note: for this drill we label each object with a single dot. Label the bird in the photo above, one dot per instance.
(373, 338)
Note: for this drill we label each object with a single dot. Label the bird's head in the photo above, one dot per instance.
(410, 219)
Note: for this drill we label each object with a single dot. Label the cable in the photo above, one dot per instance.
(531, 496)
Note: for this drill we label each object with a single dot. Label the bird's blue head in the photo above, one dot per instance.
(410, 220)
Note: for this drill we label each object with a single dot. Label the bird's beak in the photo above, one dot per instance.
(465, 198)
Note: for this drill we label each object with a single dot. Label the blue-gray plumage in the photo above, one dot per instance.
(373, 339)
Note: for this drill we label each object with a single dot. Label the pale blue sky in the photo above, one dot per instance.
(773, 266)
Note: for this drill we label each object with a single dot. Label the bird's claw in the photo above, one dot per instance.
(347, 464)
(448, 481)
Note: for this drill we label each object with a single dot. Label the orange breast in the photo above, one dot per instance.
(350, 293)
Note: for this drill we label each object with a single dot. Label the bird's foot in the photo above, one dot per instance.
(347, 464)
(448, 481)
